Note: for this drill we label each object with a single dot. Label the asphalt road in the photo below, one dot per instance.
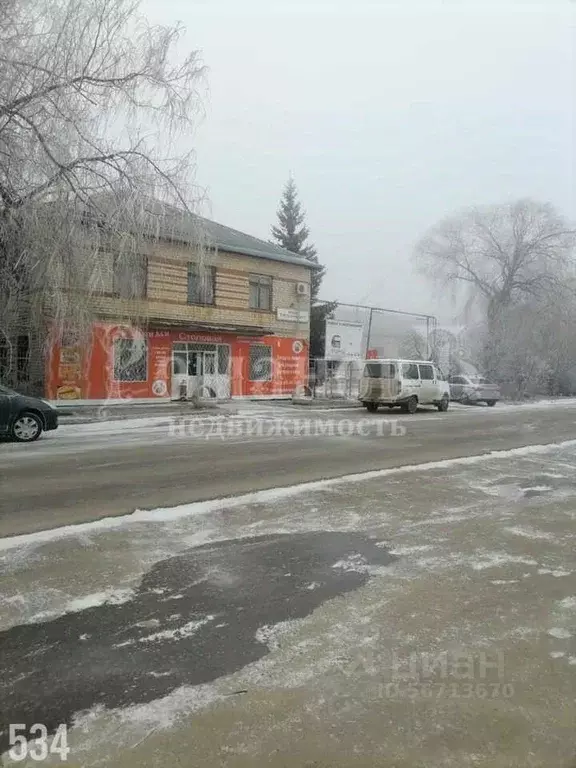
(76, 475)
(401, 619)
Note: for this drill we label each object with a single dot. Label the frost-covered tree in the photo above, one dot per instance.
(413, 346)
(92, 98)
(500, 254)
(505, 259)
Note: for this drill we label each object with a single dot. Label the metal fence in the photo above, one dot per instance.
(388, 332)
(385, 333)
(334, 380)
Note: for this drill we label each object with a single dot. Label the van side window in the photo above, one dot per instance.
(410, 371)
(380, 370)
(426, 372)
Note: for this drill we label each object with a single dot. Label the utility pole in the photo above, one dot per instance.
(368, 335)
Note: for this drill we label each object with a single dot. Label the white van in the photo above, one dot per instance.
(403, 383)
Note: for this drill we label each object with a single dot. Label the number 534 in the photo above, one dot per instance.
(40, 745)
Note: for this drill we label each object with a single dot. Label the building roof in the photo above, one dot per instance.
(233, 241)
(167, 222)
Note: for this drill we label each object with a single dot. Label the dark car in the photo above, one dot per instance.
(24, 418)
(473, 389)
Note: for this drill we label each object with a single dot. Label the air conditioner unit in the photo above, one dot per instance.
(302, 289)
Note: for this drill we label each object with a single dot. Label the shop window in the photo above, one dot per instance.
(223, 359)
(130, 276)
(260, 292)
(260, 362)
(130, 360)
(201, 281)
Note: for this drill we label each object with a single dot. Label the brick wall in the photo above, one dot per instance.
(167, 289)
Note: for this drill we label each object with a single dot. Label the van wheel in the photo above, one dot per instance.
(411, 405)
(372, 407)
(26, 428)
(444, 403)
(491, 403)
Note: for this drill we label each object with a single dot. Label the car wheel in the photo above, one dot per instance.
(444, 403)
(26, 428)
(412, 404)
(372, 407)
(491, 403)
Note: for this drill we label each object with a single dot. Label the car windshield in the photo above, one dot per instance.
(479, 380)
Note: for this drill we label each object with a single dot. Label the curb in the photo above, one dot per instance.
(93, 416)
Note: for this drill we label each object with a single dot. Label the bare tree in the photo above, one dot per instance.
(499, 253)
(499, 256)
(413, 346)
(96, 112)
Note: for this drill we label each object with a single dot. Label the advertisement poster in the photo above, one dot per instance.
(344, 340)
(161, 365)
(70, 374)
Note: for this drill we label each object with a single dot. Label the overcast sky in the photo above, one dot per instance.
(389, 115)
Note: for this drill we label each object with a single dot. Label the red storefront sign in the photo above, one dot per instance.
(93, 375)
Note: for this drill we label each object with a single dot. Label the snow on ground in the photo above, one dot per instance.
(187, 630)
(503, 582)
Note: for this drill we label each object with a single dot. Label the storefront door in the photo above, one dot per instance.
(202, 373)
(200, 370)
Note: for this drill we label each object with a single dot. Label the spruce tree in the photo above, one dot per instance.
(292, 233)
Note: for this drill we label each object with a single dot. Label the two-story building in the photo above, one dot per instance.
(231, 319)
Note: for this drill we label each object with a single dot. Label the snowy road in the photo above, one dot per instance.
(410, 617)
(85, 472)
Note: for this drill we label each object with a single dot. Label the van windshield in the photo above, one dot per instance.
(380, 370)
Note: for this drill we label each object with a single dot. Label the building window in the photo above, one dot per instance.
(260, 292)
(130, 360)
(201, 281)
(130, 274)
(260, 362)
(22, 356)
(5, 358)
